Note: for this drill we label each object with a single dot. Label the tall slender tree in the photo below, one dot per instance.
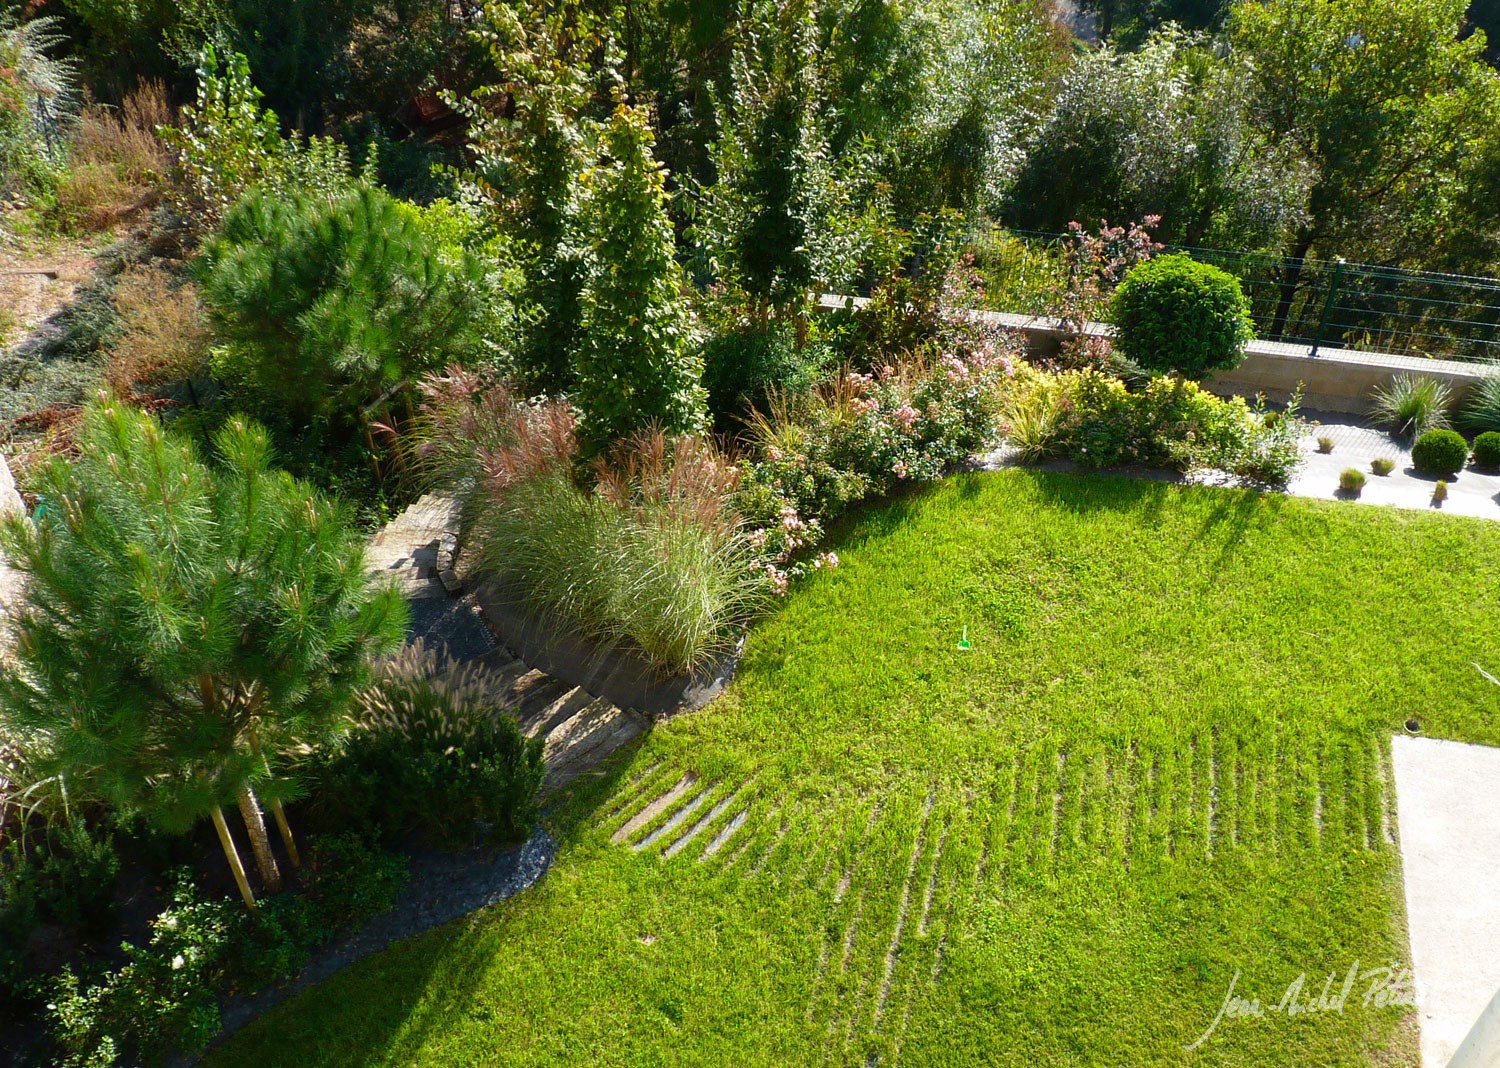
(635, 366)
(184, 626)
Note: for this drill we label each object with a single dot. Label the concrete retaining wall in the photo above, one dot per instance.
(1335, 380)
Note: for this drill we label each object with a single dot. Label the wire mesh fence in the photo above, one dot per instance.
(1326, 304)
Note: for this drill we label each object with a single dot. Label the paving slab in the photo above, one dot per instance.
(1448, 813)
(1356, 443)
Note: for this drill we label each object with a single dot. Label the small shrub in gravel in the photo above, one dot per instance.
(1382, 465)
(1440, 452)
(1487, 450)
(1351, 481)
(1325, 444)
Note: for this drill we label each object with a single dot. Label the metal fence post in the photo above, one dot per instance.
(1333, 292)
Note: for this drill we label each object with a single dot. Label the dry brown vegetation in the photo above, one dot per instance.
(118, 162)
(164, 332)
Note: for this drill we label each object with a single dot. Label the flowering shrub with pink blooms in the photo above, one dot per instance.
(864, 436)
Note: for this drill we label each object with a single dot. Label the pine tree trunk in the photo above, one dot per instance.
(233, 856)
(260, 842)
(286, 834)
(276, 807)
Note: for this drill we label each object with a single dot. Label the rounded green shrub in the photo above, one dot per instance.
(1440, 452)
(1173, 314)
(1351, 481)
(1487, 450)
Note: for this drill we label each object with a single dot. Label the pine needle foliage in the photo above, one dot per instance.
(182, 624)
(331, 307)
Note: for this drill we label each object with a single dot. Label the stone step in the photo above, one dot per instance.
(620, 731)
(586, 739)
(537, 699)
(545, 720)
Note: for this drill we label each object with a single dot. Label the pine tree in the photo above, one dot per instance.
(184, 626)
(636, 367)
(330, 305)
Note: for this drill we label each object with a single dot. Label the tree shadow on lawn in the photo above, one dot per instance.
(365, 1016)
(1148, 491)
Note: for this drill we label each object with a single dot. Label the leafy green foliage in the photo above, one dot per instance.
(1412, 404)
(1094, 420)
(329, 308)
(1487, 450)
(165, 999)
(1168, 130)
(1440, 452)
(431, 751)
(174, 612)
(1383, 102)
(531, 166)
(67, 879)
(1173, 314)
(765, 213)
(636, 366)
(745, 366)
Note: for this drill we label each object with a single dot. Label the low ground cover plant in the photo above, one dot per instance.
(1351, 481)
(1172, 314)
(1382, 465)
(1093, 419)
(1440, 452)
(164, 1000)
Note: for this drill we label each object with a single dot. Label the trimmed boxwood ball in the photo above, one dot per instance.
(1487, 450)
(1440, 452)
(1174, 314)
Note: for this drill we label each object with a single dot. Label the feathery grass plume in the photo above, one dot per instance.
(431, 749)
(423, 696)
(1412, 404)
(1481, 412)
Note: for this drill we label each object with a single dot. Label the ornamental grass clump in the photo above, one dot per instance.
(642, 547)
(1412, 405)
(1351, 481)
(430, 749)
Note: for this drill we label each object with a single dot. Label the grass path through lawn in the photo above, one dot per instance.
(1164, 760)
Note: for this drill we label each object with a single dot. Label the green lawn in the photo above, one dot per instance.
(1164, 759)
